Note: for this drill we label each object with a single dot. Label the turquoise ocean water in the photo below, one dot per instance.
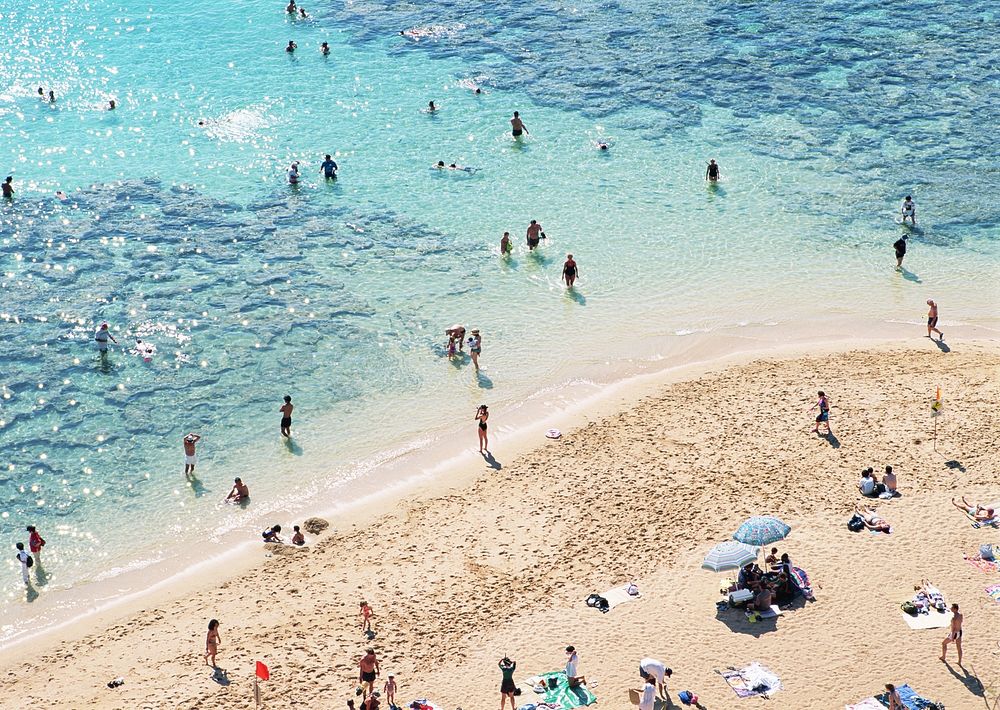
(823, 116)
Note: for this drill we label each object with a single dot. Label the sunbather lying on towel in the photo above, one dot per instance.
(978, 513)
(872, 520)
(934, 594)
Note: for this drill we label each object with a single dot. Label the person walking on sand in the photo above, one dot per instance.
(932, 319)
(368, 670)
(390, 691)
(35, 543)
(534, 234)
(240, 492)
(517, 126)
(900, 246)
(482, 414)
(954, 635)
(190, 459)
(286, 417)
(366, 614)
(212, 642)
(475, 347)
(25, 559)
(909, 209)
(712, 173)
(570, 271)
(102, 336)
(507, 685)
(572, 661)
(823, 403)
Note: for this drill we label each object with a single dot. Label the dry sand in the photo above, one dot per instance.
(490, 561)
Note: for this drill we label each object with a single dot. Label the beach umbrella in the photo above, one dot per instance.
(729, 555)
(761, 530)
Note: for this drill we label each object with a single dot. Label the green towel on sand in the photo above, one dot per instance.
(563, 694)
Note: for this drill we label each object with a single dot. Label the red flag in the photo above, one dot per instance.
(262, 672)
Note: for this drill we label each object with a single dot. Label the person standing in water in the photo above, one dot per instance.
(293, 174)
(23, 557)
(475, 347)
(286, 417)
(909, 209)
(900, 246)
(506, 245)
(712, 173)
(932, 319)
(534, 233)
(431, 108)
(291, 47)
(35, 543)
(329, 167)
(824, 413)
(101, 336)
(517, 126)
(8, 187)
(482, 414)
(190, 458)
(240, 492)
(324, 49)
(570, 271)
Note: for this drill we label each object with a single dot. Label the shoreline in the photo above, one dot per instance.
(441, 463)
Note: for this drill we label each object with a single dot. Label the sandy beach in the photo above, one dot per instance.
(493, 560)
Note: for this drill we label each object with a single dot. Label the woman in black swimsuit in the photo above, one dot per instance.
(712, 173)
(569, 271)
(482, 414)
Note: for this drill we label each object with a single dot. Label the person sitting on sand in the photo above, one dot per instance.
(240, 492)
(297, 537)
(772, 560)
(272, 535)
(749, 577)
(889, 480)
(872, 521)
(977, 512)
(867, 483)
(764, 599)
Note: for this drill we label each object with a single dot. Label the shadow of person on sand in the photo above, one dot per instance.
(832, 439)
(491, 462)
(942, 346)
(736, 620)
(30, 593)
(969, 680)
(220, 676)
(291, 447)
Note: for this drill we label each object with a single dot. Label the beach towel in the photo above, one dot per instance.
(931, 620)
(994, 592)
(911, 701)
(992, 522)
(751, 680)
(866, 704)
(562, 695)
(424, 704)
(620, 595)
(981, 564)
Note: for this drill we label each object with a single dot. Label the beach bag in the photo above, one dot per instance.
(986, 551)
(687, 697)
(909, 608)
(856, 523)
(30, 561)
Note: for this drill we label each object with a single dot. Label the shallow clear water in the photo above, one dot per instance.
(822, 115)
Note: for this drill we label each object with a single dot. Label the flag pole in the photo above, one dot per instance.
(256, 692)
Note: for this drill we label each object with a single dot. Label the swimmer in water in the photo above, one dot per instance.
(291, 47)
(239, 493)
(440, 165)
(431, 108)
(112, 105)
(570, 271)
(506, 245)
(8, 187)
(534, 234)
(477, 91)
(712, 171)
(517, 125)
(293, 174)
(41, 92)
(324, 49)
(601, 145)
(302, 13)
(52, 97)
(329, 168)
(291, 8)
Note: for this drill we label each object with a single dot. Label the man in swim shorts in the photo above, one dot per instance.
(286, 417)
(506, 247)
(909, 209)
(329, 168)
(190, 459)
(517, 125)
(932, 319)
(240, 491)
(369, 670)
(954, 634)
(534, 234)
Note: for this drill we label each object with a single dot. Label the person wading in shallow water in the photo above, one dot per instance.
(286, 416)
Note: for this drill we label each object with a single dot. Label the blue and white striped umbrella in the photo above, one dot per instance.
(761, 530)
(729, 555)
